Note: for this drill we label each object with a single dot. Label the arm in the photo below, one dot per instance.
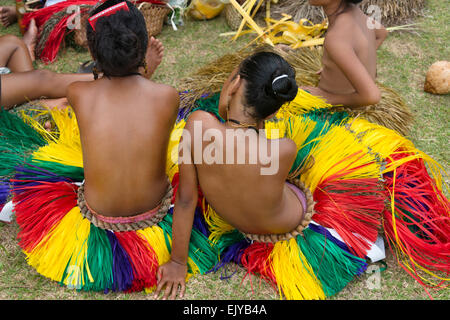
(366, 90)
(380, 35)
(173, 273)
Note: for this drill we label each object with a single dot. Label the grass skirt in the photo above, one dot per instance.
(61, 244)
(364, 178)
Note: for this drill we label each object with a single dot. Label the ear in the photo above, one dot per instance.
(235, 85)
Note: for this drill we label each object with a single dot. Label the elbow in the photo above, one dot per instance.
(372, 98)
(186, 201)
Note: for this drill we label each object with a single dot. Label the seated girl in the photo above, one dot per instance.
(241, 193)
(349, 57)
(100, 180)
(125, 119)
(349, 67)
(350, 170)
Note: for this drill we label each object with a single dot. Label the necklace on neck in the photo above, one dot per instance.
(237, 124)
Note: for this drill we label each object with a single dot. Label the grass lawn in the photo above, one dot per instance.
(402, 63)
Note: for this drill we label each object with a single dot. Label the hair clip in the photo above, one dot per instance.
(279, 77)
(107, 12)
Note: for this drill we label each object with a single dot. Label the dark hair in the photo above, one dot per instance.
(353, 1)
(262, 93)
(119, 42)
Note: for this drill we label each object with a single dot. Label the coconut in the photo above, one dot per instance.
(438, 78)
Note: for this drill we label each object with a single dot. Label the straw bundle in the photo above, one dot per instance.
(396, 12)
(298, 9)
(392, 12)
(391, 112)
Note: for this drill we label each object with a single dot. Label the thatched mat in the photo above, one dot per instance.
(391, 112)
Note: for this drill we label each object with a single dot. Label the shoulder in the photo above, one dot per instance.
(288, 149)
(168, 91)
(286, 154)
(205, 117)
(167, 97)
(76, 91)
(340, 37)
(343, 27)
(159, 88)
(163, 91)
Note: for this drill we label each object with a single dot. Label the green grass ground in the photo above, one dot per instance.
(403, 61)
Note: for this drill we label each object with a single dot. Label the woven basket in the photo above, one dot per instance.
(232, 16)
(154, 16)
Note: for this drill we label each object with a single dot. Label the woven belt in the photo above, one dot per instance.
(307, 217)
(131, 223)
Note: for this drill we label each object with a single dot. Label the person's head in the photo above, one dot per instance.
(117, 39)
(328, 2)
(262, 83)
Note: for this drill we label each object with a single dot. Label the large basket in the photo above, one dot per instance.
(233, 17)
(154, 16)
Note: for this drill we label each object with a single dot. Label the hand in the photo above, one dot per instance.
(172, 275)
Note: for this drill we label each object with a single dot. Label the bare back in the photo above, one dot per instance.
(350, 27)
(239, 193)
(125, 125)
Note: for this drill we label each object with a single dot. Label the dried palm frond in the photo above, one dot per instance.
(395, 12)
(282, 31)
(298, 9)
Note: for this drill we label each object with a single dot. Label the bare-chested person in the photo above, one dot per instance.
(251, 200)
(349, 58)
(125, 120)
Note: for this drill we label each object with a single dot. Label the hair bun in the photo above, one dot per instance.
(269, 83)
(284, 87)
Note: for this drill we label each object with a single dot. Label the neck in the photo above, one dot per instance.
(332, 10)
(237, 113)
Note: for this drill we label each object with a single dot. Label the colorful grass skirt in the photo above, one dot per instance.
(363, 178)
